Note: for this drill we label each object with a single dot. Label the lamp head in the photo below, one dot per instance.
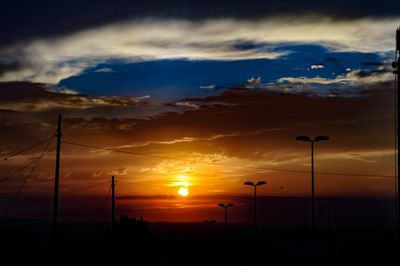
(248, 183)
(303, 138)
(261, 183)
(321, 138)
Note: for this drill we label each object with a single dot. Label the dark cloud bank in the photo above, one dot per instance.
(21, 21)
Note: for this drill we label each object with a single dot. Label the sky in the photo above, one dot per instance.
(199, 95)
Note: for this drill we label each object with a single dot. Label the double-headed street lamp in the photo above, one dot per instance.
(209, 223)
(255, 198)
(226, 213)
(316, 139)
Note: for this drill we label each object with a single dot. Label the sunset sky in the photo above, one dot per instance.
(200, 96)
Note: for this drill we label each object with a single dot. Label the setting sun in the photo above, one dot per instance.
(183, 191)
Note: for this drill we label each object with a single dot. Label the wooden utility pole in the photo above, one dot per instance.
(112, 202)
(397, 125)
(396, 66)
(56, 181)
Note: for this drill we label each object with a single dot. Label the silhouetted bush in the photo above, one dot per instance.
(130, 232)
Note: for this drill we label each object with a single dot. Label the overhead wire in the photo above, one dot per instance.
(70, 192)
(4, 179)
(13, 154)
(103, 205)
(16, 194)
(84, 188)
(224, 164)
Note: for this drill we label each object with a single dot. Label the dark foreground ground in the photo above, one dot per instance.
(197, 244)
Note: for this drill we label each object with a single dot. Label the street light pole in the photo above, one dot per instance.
(226, 213)
(208, 223)
(312, 187)
(255, 199)
(316, 139)
(113, 203)
(255, 208)
(226, 219)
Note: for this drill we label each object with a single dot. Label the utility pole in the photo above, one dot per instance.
(56, 181)
(396, 65)
(397, 125)
(112, 202)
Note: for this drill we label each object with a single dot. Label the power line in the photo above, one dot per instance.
(17, 171)
(129, 182)
(223, 164)
(13, 154)
(26, 178)
(103, 205)
(70, 192)
(84, 188)
(91, 187)
(24, 167)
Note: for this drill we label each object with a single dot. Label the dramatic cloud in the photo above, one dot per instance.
(352, 78)
(200, 94)
(49, 19)
(31, 97)
(213, 148)
(50, 60)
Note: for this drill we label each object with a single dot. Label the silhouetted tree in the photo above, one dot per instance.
(130, 232)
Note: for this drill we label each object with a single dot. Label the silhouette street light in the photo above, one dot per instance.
(226, 214)
(316, 139)
(209, 223)
(255, 201)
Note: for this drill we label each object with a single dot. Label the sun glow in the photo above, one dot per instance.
(182, 184)
(183, 191)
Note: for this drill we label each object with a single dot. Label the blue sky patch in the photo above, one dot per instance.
(167, 80)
